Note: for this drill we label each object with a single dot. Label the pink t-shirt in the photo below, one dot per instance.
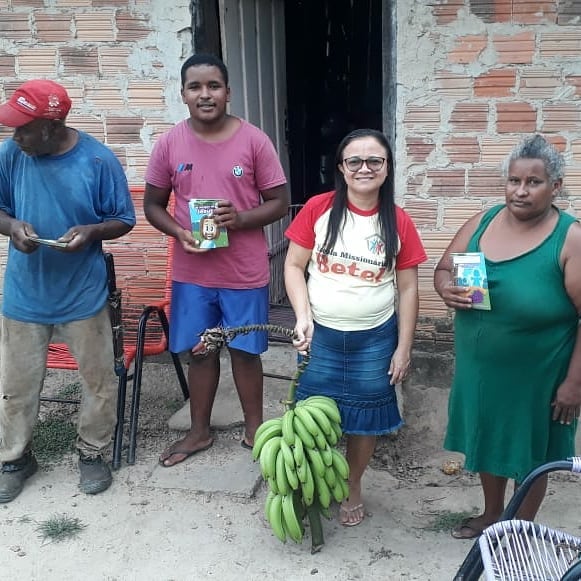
(237, 169)
(350, 289)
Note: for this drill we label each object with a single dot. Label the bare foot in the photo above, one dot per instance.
(183, 449)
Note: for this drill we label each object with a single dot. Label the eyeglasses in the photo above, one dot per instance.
(356, 163)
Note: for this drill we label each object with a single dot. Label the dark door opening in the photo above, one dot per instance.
(334, 83)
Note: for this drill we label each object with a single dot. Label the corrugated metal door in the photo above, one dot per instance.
(253, 47)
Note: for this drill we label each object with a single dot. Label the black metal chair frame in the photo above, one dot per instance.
(122, 367)
(472, 567)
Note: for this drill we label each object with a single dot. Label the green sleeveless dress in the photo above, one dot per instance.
(511, 360)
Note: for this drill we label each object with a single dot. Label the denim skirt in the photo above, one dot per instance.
(351, 367)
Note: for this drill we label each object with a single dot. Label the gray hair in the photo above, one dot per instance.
(537, 147)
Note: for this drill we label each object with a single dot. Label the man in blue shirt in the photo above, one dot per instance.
(59, 184)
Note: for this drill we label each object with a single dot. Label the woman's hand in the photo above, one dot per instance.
(399, 366)
(303, 335)
(455, 296)
(567, 402)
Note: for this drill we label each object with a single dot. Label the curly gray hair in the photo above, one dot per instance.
(537, 147)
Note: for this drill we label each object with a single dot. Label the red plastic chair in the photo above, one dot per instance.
(141, 278)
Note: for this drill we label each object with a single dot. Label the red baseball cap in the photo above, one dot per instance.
(37, 99)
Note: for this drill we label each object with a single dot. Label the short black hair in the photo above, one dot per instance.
(201, 59)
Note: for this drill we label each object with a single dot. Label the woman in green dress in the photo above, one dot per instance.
(516, 394)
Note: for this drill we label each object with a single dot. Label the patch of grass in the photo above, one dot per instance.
(60, 527)
(53, 438)
(70, 391)
(447, 520)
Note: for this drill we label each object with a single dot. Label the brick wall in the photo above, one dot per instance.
(473, 76)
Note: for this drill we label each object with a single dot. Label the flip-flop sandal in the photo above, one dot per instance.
(185, 453)
(351, 511)
(246, 445)
(465, 531)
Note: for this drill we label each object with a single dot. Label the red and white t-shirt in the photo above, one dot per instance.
(350, 289)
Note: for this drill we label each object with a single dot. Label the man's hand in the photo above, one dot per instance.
(189, 243)
(226, 216)
(20, 235)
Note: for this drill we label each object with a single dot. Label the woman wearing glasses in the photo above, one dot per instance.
(356, 245)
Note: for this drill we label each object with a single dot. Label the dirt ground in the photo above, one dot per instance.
(142, 530)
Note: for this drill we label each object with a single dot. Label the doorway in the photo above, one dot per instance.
(334, 83)
(318, 68)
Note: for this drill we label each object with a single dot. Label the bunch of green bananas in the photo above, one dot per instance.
(299, 460)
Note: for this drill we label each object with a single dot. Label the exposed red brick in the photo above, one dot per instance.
(493, 150)
(561, 44)
(453, 85)
(79, 61)
(95, 26)
(447, 182)
(528, 12)
(113, 60)
(424, 213)
(515, 117)
(27, 4)
(422, 118)
(468, 48)
(456, 212)
(418, 149)
(53, 27)
(445, 11)
(462, 149)
(469, 117)
(539, 83)
(496, 83)
(88, 123)
(15, 25)
(37, 61)
(131, 28)
(561, 117)
(515, 49)
(574, 81)
(559, 142)
(123, 130)
(492, 11)
(110, 4)
(569, 12)
(7, 65)
(485, 182)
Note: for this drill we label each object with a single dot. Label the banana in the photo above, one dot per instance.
(345, 486)
(337, 491)
(308, 486)
(322, 491)
(289, 458)
(291, 520)
(272, 484)
(281, 478)
(340, 463)
(302, 471)
(268, 456)
(262, 436)
(288, 432)
(316, 462)
(303, 413)
(298, 451)
(292, 476)
(304, 434)
(338, 430)
(326, 455)
(271, 494)
(332, 437)
(275, 518)
(326, 404)
(321, 418)
(321, 440)
(330, 477)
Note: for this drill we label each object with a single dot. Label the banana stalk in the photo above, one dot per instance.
(213, 340)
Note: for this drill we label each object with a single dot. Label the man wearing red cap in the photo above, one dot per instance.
(61, 193)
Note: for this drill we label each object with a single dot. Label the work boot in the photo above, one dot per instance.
(13, 475)
(95, 474)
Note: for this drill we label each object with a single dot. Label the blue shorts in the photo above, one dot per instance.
(196, 308)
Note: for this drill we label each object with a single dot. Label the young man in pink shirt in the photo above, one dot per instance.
(215, 155)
